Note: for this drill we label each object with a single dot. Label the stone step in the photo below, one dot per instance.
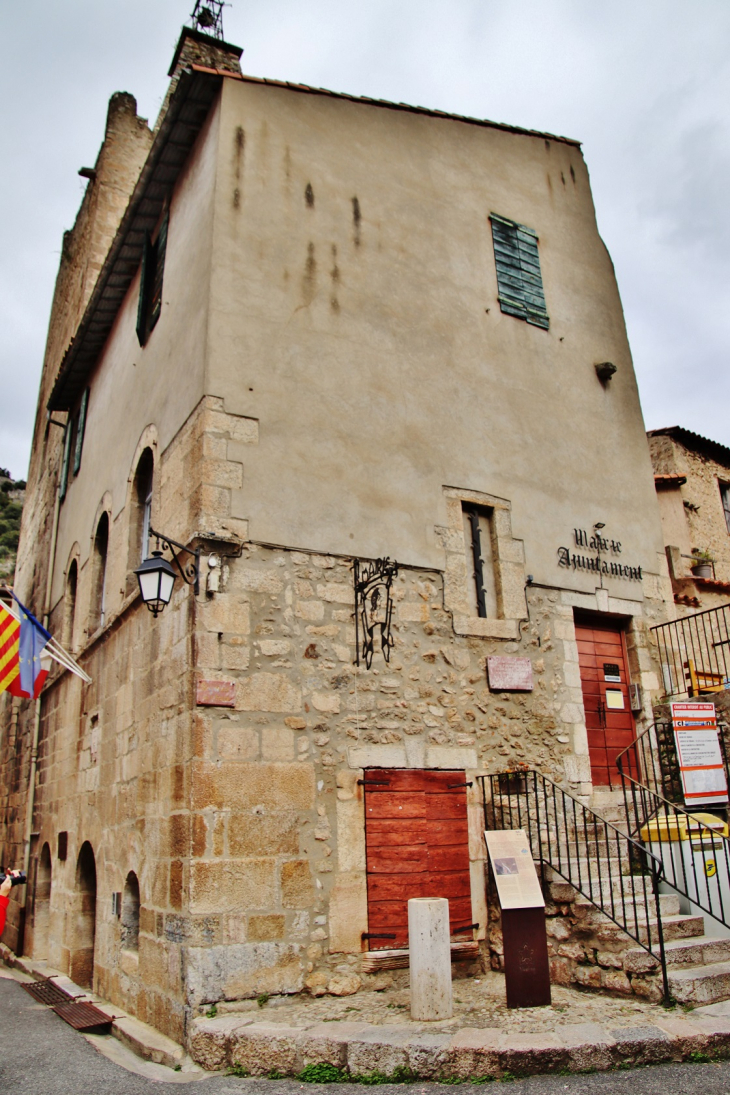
(674, 926)
(668, 903)
(701, 950)
(700, 984)
(585, 868)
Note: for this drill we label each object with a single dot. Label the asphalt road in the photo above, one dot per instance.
(41, 1055)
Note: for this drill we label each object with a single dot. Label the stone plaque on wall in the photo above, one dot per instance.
(216, 694)
(509, 674)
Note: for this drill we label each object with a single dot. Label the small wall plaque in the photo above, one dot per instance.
(215, 694)
(509, 674)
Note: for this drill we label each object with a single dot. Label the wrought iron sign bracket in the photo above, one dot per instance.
(373, 607)
(190, 572)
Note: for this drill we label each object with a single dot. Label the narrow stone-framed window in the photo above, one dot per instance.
(478, 537)
(502, 565)
(519, 279)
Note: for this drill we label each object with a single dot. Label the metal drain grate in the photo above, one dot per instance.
(46, 992)
(84, 1017)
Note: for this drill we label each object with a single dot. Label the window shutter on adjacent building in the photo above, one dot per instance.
(80, 431)
(145, 271)
(66, 459)
(519, 280)
(155, 299)
(150, 282)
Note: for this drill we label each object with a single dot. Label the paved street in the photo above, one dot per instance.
(41, 1055)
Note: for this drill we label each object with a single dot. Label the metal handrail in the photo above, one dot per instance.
(560, 830)
(660, 825)
(695, 652)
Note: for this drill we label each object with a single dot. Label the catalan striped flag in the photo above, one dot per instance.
(9, 649)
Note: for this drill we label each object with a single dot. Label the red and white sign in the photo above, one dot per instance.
(700, 758)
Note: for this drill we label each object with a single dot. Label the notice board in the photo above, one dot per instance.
(699, 754)
(518, 886)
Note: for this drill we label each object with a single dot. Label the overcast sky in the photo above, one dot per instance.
(644, 84)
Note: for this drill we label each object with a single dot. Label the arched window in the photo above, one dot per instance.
(98, 574)
(69, 606)
(140, 517)
(130, 913)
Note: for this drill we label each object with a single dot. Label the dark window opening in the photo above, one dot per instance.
(80, 421)
(98, 575)
(141, 517)
(519, 281)
(725, 495)
(69, 607)
(479, 539)
(150, 282)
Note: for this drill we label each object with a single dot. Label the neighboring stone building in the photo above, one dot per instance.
(323, 329)
(692, 479)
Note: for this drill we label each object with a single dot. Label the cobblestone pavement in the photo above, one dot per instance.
(478, 1002)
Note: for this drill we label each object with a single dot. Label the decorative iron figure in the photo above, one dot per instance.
(373, 607)
(208, 17)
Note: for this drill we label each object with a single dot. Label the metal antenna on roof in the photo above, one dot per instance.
(208, 16)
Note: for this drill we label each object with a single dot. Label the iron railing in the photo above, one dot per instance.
(695, 652)
(695, 855)
(612, 870)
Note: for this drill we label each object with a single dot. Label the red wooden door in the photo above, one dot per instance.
(604, 679)
(417, 845)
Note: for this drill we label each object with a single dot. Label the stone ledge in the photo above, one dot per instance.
(431, 1053)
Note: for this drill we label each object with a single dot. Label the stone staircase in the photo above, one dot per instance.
(698, 965)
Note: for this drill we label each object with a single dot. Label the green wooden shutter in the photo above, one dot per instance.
(80, 431)
(144, 277)
(66, 459)
(519, 280)
(156, 287)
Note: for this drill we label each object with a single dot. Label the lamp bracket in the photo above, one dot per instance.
(189, 572)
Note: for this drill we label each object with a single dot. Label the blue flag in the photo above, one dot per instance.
(33, 638)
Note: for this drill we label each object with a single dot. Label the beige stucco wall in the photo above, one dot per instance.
(375, 355)
(134, 388)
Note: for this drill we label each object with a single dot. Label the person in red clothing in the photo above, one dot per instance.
(5, 896)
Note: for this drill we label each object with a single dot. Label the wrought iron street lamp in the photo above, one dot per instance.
(156, 576)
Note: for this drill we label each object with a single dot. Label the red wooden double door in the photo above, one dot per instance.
(417, 845)
(605, 683)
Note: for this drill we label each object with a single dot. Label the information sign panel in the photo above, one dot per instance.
(518, 886)
(700, 758)
(524, 934)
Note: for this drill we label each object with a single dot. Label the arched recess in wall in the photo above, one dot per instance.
(83, 921)
(130, 913)
(98, 610)
(70, 600)
(42, 904)
(140, 515)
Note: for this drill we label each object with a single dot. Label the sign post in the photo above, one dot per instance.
(699, 754)
(526, 964)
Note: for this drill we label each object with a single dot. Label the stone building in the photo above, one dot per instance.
(299, 330)
(692, 478)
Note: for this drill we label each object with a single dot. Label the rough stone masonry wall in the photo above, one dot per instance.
(278, 825)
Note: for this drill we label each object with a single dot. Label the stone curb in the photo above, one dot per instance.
(142, 1039)
(360, 1048)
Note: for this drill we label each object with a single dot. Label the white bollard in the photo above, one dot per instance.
(430, 958)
